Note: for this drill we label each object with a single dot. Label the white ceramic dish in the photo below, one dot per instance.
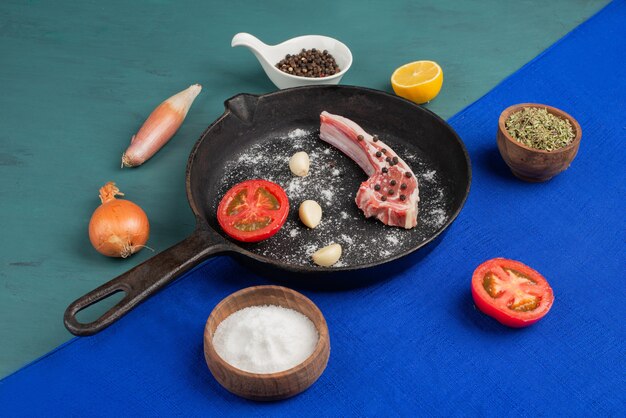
(270, 55)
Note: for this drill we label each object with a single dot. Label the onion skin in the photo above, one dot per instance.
(118, 228)
(160, 127)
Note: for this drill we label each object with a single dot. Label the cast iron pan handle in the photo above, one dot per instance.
(144, 280)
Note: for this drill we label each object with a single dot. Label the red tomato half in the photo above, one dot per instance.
(511, 292)
(253, 210)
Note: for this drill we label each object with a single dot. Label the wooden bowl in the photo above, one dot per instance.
(267, 386)
(531, 164)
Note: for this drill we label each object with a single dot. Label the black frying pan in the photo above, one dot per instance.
(254, 138)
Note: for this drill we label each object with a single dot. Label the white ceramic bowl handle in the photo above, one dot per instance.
(249, 41)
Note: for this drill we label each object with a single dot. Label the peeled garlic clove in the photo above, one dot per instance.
(299, 164)
(327, 256)
(310, 213)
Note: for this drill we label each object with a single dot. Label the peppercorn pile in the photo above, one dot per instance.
(309, 63)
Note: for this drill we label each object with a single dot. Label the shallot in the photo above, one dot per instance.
(118, 227)
(160, 127)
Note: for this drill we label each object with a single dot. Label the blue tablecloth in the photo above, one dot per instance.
(415, 345)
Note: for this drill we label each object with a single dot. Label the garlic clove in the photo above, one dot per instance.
(327, 256)
(299, 164)
(310, 213)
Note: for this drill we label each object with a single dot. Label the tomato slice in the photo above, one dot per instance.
(253, 210)
(511, 292)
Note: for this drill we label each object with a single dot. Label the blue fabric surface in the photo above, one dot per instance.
(415, 345)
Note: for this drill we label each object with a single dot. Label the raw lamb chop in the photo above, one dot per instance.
(391, 192)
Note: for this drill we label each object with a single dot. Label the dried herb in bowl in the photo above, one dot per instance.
(537, 128)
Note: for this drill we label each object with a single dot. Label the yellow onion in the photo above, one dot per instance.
(118, 228)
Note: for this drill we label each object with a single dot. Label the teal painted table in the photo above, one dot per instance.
(78, 79)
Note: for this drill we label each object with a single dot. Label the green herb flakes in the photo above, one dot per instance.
(539, 129)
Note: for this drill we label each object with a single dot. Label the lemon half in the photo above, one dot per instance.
(418, 81)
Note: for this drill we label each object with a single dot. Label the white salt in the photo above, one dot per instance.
(265, 339)
(328, 195)
(392, 239)
(310, 249)
(438, 217)
(429, 175)
(297, 133)
(347, 239)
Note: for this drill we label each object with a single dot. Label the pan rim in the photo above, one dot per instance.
(234, 247)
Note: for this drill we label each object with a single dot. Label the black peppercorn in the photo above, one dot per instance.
(395, 160)
(407, 174)
(384, 151)
(375, 138)
(390, 192)
(379, 154)
(385, 170)
(393, 182)
(383, 198)
(359, 137)
(403, 186)
(402, 197)
(309, 63)
(377, 187)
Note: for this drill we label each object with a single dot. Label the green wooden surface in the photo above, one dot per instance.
(77, 79)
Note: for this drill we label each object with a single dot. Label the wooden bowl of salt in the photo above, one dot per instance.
(255, 330)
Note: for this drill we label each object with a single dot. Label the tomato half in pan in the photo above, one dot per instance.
(253, 210)
(511, 292)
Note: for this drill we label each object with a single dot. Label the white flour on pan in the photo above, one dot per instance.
(332, 181)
